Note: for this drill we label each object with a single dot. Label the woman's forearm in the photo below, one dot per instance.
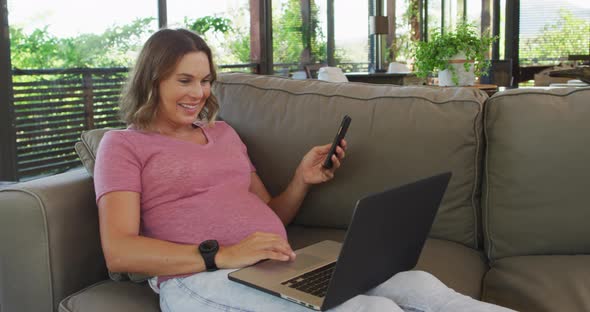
(139, 254)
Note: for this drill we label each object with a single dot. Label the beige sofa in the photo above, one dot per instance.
(512, 227)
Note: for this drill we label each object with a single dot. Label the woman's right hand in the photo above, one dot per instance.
(256, 247)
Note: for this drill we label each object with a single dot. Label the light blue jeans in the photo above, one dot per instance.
(411, 291)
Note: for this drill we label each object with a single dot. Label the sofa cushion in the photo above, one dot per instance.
(540, 283)
(127, 296)
(397, 135)
(535, 195)
(465, 278)
(113, 297)
(87, 147)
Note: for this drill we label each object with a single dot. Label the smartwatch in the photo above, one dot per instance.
(208, 250)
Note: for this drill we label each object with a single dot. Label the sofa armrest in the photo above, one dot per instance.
(50, 241)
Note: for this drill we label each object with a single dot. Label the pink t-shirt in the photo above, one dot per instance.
(189, 192)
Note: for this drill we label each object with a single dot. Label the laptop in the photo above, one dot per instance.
(385, 236)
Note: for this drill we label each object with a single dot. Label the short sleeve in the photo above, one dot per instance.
(118, 166)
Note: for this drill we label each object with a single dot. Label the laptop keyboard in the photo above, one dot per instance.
(314, 282)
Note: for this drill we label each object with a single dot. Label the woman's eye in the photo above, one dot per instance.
(205, 82)
(184, 81)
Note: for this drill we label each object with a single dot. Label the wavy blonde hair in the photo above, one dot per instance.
(156, 61)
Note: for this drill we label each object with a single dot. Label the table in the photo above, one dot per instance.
(402, 79)
(405, 79)
(490, 89)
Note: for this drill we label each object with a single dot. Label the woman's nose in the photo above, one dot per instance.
(196, 91)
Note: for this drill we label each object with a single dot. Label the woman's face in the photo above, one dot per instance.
(184, 92)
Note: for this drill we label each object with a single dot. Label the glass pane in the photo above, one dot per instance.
(80, 51)
(351, 35)
(549, 33)
(292, 49)
(434, 16)
(320, 41)
(65, 34)
(287, 34)
(502, 33)
(474, 12)
(403, 31)
(453, 11)
(224, 24)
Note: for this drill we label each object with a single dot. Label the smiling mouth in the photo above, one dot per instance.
(189, 106)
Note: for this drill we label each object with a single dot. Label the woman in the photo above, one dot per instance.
(177, 194)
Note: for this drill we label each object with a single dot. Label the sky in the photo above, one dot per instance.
(67, 18)
(536, 16)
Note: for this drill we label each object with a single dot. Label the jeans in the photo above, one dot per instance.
(411, 291)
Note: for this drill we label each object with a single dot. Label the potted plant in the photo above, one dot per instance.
(457, 56)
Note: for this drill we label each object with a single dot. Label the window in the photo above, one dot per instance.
(299, 34)
(549, 33)
(473, 11)
(287, 38)
(434, 16)
(502, 31)
(351, 35)
(66, 34)
(70, 60)
(225, 25)
(407, 30)
(452, 13)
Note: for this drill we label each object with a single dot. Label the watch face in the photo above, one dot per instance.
(209, 246)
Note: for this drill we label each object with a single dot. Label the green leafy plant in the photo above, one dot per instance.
(433, 56)
(114, 47)
(204, 24)
(568, 35)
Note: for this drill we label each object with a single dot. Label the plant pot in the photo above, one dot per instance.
(464, 78)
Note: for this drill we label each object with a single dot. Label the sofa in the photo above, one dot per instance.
(511, 228)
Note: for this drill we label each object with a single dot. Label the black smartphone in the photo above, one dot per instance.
(339, 136)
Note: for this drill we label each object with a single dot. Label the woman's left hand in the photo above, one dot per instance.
(311, 170)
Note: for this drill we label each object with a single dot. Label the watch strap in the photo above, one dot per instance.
(208, 249)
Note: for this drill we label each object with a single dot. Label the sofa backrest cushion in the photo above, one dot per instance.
(535, 194)
(397, 135)
(87, 146)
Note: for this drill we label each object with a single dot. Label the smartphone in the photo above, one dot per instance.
(339, 136)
